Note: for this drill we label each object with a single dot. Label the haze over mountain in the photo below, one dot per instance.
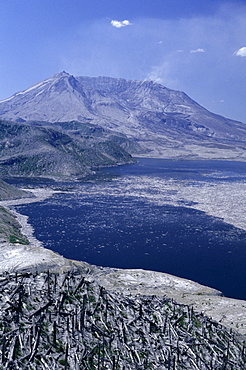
(165, 123)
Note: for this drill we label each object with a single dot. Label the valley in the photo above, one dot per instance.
(77, 148)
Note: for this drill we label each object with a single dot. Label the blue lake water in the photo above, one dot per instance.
(102, 223)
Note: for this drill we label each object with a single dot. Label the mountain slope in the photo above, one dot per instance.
(163, 122)
(8, 191)
(33, 150)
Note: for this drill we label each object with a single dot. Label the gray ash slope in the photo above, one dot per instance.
(164, 122)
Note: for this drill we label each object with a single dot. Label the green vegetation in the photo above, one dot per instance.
(14, 239)
(10, 229)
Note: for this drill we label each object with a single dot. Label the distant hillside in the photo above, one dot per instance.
(163, 122)
(8, 191)
(36, 149)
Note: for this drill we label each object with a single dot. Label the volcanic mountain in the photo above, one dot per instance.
(158, 121)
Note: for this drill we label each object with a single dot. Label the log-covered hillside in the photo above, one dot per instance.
(66, 321)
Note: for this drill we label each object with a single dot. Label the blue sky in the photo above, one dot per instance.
(195, 46)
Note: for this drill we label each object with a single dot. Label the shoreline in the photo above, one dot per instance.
(26, 228)
(32, 256)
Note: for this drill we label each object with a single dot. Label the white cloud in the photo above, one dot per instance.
(119, 24)
(160, 49)
(241, 52)
(199, 50)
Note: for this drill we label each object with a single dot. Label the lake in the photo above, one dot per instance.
(185, 218)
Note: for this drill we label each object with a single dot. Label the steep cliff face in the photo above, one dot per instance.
(163, 122)
(157, 116)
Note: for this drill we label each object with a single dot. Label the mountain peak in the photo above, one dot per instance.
(61, 74)
(58, 76)
(146, 111)
(38, 86)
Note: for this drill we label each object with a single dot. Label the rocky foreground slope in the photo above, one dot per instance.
(65, 320)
